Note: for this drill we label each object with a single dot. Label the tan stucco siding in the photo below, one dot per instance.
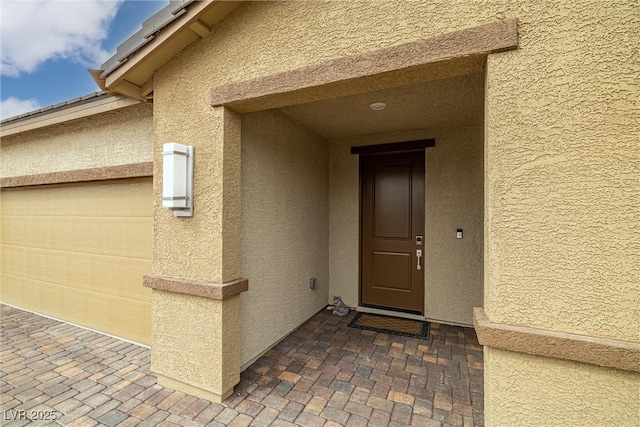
(554, 392)
(561, 162)
(453, 199)
(545, 132)
(182, 93)
(117, 137)
(78, 252)
(215, 134)
(179, 350)
(562, 223)
(285, 228)
(330, 30)
(561, 219)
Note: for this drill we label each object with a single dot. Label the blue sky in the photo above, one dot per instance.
(48, 45)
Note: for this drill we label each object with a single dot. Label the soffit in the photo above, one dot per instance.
(456, 101)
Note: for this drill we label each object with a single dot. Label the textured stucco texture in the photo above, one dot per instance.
(113, 138)
(549, 104)
(285, 228)
(623, 355)
(453, 199)
(562, 233)
(552, 392)
(209, 244)
(562, 225)
(195, 341)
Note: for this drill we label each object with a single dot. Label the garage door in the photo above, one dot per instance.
(77, 252)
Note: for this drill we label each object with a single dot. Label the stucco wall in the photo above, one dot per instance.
(285, 228)
(561, 228)
(563, 242)
(180, 351)
(453, 199)
(553, 105)
(552, 392)
(113, 138)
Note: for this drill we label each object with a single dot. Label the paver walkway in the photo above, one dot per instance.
(324, 374)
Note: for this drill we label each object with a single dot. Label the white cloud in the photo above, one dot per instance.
(36, 31)
(11, 106)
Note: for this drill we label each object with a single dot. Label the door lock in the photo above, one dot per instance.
(419, 256)
(419, 240)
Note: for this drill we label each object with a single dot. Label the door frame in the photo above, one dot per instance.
(384, 149)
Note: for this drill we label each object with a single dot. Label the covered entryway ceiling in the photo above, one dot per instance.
(456, 101)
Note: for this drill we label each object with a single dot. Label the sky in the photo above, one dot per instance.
(47, 46)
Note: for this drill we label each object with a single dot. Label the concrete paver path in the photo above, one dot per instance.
(324, 374)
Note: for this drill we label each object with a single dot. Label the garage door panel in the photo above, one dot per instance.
(78, 252)
(130, 198)
(96, 273)
(124, 237)
(123, 317)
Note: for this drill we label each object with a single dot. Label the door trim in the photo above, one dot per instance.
(394, 147)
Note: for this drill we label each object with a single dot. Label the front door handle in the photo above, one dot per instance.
(419, 256)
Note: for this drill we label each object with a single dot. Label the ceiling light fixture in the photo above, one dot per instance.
(377, 106)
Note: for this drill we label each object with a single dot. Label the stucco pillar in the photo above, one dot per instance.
(560, 325)
(196, 261)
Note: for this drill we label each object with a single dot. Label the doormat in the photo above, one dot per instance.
(391, 325)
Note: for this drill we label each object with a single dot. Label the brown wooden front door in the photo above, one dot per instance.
(392, 218)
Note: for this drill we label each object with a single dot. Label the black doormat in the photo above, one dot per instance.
(391, 325)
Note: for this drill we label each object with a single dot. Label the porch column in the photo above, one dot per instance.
(196, 261)
(560, 325)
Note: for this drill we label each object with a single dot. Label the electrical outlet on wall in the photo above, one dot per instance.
(312, 283)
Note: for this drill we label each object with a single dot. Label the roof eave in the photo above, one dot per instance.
(132, 76)
(89, 105)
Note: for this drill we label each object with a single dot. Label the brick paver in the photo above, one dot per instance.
(323, 374)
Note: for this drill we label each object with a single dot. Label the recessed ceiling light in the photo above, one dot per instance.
(377, 106)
